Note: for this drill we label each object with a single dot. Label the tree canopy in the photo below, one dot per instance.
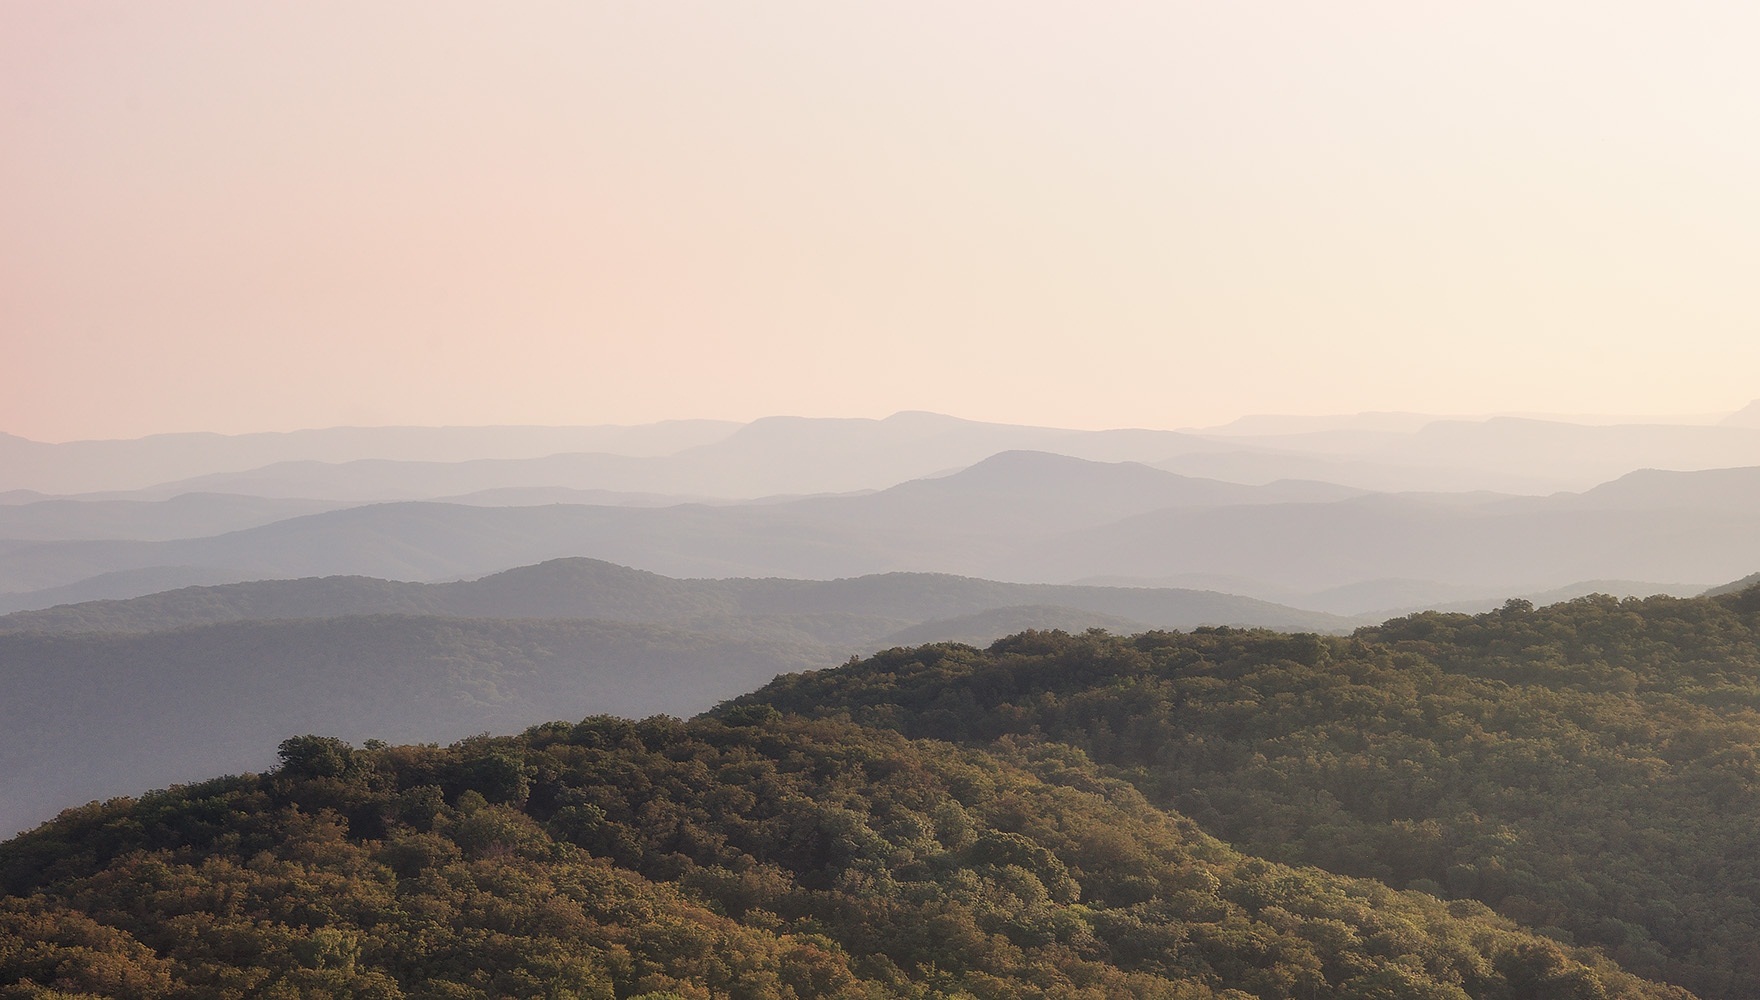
(760, 857)
(1591, 769)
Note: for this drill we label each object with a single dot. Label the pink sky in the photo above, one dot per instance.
(233, 217)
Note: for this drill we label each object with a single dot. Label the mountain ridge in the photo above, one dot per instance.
(1020, 517)
(586, 588)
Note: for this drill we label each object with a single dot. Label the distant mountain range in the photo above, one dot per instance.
(951, 524)
(797, 455)
(1507, 454)
(845, 613)
(1019, 516)
(1310, 547)
(1354, 514)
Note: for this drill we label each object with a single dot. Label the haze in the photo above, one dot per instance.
(232, 217)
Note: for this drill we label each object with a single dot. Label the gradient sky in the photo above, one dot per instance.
(258, 216)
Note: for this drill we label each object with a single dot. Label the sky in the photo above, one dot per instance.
(265, 216)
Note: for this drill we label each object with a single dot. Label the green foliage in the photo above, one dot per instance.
(308, 757)
(776, 859)
(1591, 768)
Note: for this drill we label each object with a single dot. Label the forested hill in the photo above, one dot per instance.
(1590, 768)
(762, 858)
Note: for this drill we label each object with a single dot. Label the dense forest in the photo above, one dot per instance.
(1529, 803)
(755, 856)
(1591, 769)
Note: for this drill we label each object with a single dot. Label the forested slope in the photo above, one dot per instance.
(765, 858)
(1592, 768)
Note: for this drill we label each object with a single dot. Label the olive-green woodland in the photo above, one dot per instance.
(1590, 769)
(1437, 807)
(770, 858)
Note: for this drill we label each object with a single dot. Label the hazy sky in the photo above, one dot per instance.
(245, 216)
